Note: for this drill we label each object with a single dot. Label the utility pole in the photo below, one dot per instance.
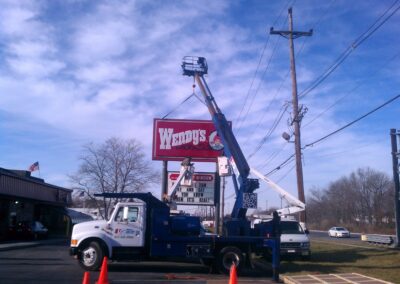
(297, 114)
(395, 135)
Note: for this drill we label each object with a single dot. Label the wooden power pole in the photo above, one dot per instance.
(297, 114)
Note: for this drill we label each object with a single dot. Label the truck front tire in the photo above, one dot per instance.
(91, 256)
(229, 256)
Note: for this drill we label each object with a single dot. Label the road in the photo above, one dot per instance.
(323, 236)
(52, 263)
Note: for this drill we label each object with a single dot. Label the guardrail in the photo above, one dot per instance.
(378, 239)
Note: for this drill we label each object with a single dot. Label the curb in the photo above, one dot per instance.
(22, 245)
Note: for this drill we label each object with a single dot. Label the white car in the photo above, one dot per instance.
(339, 232)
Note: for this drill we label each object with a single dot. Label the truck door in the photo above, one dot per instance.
(128, 230)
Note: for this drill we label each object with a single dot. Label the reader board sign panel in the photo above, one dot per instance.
(176, 139)
(201, 192)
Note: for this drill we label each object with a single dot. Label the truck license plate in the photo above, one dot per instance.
(291, 250)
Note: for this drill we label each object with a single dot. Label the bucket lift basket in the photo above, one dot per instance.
(192, 65)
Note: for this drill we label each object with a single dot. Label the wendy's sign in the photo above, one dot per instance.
(176, 139)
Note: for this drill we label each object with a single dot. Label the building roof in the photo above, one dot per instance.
(19, 183)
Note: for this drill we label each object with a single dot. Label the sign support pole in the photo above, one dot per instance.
(164, 181)
(394, 135)
(217, 199)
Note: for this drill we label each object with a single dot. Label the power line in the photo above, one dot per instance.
(332, 133)
(351, 91)
(281, 165)
(271, 157)
(285, 77)
(286, 174)
(351, 123)
(333, 154)
(343, 56)
(258, 66)
(269, 133)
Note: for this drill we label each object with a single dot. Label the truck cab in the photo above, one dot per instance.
(124, 231)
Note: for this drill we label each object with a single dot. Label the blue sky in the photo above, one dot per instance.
(76, 71)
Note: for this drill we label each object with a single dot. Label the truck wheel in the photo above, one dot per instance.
(227, 257)
(91, 256)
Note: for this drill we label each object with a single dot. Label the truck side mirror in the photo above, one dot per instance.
(125, 215)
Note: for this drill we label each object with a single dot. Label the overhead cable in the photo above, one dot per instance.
(351, 91)
(343, 56)
(351, 123)
(239, 120)
(273, 127)
(269, 133)
(332, 133)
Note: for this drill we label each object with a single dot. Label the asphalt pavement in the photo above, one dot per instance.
(48, 261)
(20, 244)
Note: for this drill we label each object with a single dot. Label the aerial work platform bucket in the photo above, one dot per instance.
(192, 65)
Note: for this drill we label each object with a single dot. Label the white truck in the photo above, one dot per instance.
(294, 240)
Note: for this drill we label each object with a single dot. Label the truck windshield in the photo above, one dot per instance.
(291, 228)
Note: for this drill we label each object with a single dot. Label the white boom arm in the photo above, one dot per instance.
(185, 174)
(295, 204)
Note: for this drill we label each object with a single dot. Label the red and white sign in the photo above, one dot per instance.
(201, 192)
(176, 139)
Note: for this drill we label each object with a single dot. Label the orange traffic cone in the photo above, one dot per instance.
(103, 278)
(86, 278)
(233, 275)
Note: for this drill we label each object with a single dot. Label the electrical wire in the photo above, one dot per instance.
(351, 91)
(351, 123)
(240, 122)
(284, 163)
(281, 165)
(323, 14)
(260, 82)
(349, 50)
(286, 174)
(352, 150)
(269, 133)
(271, 157)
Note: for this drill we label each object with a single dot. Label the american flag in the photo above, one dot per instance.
(34, 167)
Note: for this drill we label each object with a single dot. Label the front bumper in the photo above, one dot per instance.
(73, 251)
(296, 251)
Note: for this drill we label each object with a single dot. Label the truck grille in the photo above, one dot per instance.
(290, 245)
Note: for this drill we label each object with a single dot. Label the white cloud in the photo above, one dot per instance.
(108, 68)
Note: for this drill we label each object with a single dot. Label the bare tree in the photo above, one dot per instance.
(364, 199)
(116, 166)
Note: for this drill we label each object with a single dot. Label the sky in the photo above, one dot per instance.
(77, 71)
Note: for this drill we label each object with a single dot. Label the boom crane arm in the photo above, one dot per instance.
(295, 204)
(197, 67)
